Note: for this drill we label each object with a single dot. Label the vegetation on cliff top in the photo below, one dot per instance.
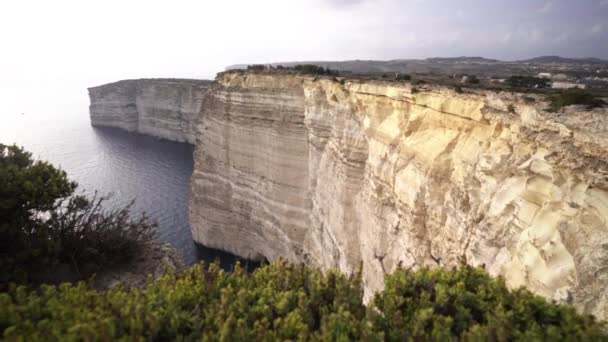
(573, 97)
(529, 82)
(309, 69)
(44, 225)
(291, 302)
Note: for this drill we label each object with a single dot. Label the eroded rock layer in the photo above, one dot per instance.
(164, 108)
(339, 173)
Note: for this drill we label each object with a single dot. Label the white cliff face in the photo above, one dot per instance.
(250, 184)
(163, 108)
(339, 174)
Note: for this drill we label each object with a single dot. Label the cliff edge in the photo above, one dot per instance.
(163, 108)
(341, 172)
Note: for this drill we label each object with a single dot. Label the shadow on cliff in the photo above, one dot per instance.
(227, 260)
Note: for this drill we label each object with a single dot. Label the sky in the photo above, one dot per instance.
(56, 44)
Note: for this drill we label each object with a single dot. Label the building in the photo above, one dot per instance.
(567, 85)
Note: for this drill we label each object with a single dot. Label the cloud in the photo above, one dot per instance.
(344, 3)
(597, 28)
(547, 7)
(561, 38)
(534, 35)
(308, 30)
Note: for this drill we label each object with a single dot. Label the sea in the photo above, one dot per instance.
(153, 173)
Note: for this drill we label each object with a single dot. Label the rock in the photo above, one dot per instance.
(163, 108)
(338, 173)
(155, 259)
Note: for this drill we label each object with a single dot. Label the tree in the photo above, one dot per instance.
(315, 70)
(43, 224)
(573, 97)
(258, 67)
(29, 191)
(403, 77)
(529, 82)
(472, 79)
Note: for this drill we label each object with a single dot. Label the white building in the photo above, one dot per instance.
(567, 85)
(559, 77)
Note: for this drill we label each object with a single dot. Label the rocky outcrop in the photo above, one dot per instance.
(154, 260)
(336, 173)
(164, 108)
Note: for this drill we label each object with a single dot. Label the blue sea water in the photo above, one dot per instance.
(153, 172)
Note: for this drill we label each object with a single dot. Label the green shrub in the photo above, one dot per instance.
(27, 188)
(277, 302)
(289, 302)
(43, 224)
(468, 304)
(414, 90)
(472, 79)
(315, 70)
(529, 82)
(573, 97)
(458, 89)
(92, 239)
(256, 67)
(511, 109)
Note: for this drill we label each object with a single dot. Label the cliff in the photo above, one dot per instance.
(339, 173)
(164, 108)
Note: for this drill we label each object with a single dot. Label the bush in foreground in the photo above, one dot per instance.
(469, 305)
(43, 224)
(27, 189)
(277, 302)
(289, 302)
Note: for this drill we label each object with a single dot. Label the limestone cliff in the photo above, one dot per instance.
(336, 173)
(164, 108)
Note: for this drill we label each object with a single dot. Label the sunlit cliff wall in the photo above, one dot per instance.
(338, 173)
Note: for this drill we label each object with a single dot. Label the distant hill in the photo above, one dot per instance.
(563, 60)
(444, 65)
(354, 66)
(463, 59)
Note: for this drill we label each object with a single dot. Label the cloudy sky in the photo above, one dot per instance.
(89, 42)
